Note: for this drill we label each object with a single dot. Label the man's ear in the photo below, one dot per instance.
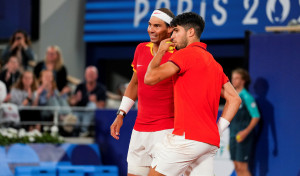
(191, 32)
(170, 30)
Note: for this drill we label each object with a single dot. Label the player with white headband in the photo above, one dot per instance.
(155, 116)
(163, 16)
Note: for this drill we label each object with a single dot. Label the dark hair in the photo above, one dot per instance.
(244, 74)
(168, 12)
(189, 20)
(13, 38)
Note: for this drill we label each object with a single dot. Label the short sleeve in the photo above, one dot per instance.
(251, 106)
(79, 88)
(16, 97)
(135, 59)
(179, 61)
(101, 94)
(224, 78)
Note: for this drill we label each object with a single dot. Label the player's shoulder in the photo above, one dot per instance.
(181, 52)
(144, 44)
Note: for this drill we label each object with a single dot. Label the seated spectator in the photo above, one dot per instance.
(19, 45)
(3, 92)
(54, 61)
(23, 94)
(10, 74)
(89, 94)
(48, 95)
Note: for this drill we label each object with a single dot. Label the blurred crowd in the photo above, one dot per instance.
(27, 85)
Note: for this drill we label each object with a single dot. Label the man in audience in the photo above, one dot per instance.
(89, 94)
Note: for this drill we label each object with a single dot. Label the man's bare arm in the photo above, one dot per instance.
(233, 101)
(130, 92)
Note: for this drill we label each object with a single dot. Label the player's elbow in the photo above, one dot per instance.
(234, 100)
(149, 80)
(237, 100)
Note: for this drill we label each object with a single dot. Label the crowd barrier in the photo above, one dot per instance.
(54, 109)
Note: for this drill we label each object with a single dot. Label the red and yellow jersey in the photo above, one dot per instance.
(197, 90)
(155, 103)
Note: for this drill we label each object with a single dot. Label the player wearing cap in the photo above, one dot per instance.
(199, 81)
(155, 116)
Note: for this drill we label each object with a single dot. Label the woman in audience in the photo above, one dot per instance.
(23, 94)
(48, 95)
(19, 45)
(54, 62)
(10, 74)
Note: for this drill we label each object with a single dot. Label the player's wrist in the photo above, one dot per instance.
(161, 51)
(247, 131)
(222, 125)
(125, 106)
(121, 113)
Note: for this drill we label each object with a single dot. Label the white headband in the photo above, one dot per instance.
(163, 16)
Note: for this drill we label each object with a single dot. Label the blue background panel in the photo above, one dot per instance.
(274, 69)
(127, 20)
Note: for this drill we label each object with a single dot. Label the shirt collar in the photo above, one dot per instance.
(242, 91)
(199, 44)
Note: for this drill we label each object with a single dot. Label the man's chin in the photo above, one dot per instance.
(153, 40)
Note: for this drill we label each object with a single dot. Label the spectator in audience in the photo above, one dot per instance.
(23, 94)
(54, 62)
(10, 74)
(89, 94)
(242, 135)
(3, 92)
(19, 45)
(48, 95)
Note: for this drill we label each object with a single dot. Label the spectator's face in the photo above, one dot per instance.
(27, 79)
(158, 30)
(51, 55)
(179, 37)
(237, 80)
(13, 64)
(19, 37)
(90, 75)
(47, 77)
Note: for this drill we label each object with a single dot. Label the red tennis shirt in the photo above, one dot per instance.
(197, 90)
(155, 103)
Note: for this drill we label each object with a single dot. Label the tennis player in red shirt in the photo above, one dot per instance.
(155, 116)
(199, 81)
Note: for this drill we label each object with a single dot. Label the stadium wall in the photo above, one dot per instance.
(274, 69)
